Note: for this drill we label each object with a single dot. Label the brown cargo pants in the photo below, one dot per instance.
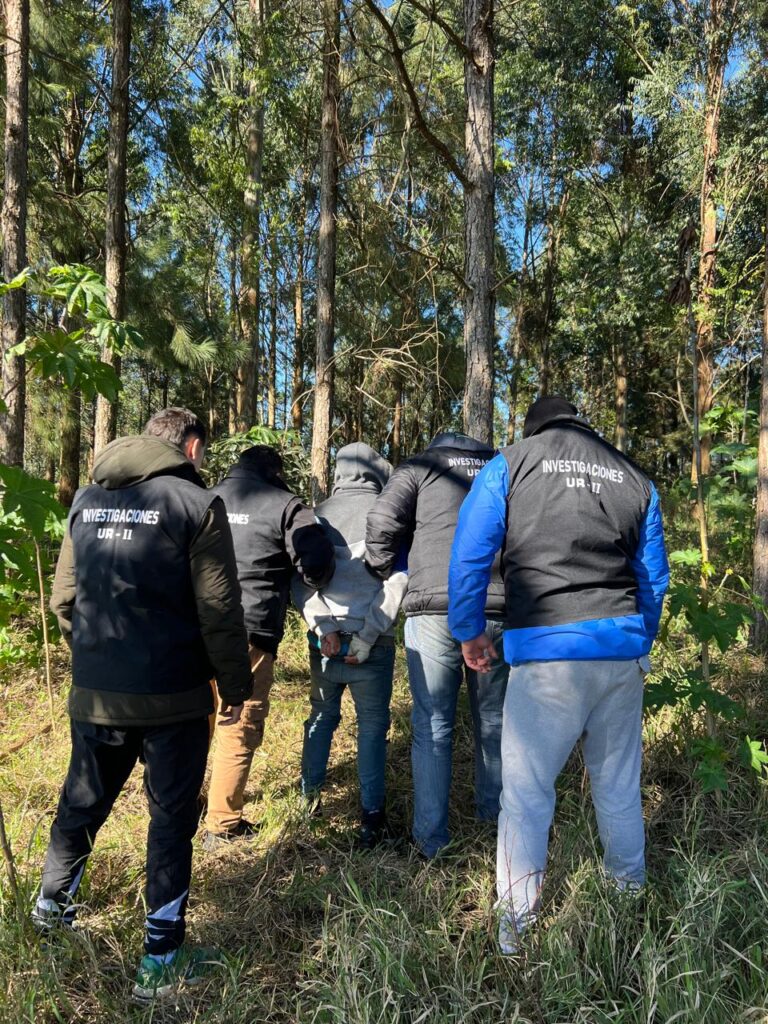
(235, 747)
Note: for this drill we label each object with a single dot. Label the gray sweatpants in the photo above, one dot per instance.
(549, 706)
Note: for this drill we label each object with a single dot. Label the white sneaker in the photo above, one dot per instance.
(509, 936)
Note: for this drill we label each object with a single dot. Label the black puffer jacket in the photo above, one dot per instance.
(274, 533)
(417, 512)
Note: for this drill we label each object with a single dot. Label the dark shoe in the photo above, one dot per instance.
(243, 833)
(373, 829)
(48, 917)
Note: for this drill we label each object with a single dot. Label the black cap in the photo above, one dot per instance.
(544, 411)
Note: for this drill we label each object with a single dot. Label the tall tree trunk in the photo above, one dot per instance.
(105, 429)
(326, 255)
(72, 174)
(479, 297)
(620, 391)
(716, 32)
(297, 384)
(760, 557)
(272, 386)
(397, 423)
(236, 328)
(247, 385)
(69, 463)
(13, 225)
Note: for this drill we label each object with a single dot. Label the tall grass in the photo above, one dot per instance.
(314, 931)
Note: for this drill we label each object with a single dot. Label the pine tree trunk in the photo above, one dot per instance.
(272, 386)
(247, 385)
(705, 341)
(479, 298)
(14, 226)
(326, 256)
(760, 556)
(297, 384)
(69, 464)
(105, 429)
(620, 391)
(397, 424)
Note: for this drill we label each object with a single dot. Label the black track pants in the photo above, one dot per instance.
(102, 758)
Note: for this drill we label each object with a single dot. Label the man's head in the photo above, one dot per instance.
(544, 411)
(181, 427)
(264, 458)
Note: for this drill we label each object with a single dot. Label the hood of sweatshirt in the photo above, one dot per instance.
(132, 460)
(360, 468)
(463, 442)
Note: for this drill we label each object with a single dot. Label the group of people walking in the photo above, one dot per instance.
(536, 575)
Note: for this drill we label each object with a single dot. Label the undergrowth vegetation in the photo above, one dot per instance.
(314, 931)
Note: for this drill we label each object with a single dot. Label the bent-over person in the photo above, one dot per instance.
(274, 535)
(351, 640)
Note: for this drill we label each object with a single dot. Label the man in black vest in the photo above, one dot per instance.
(146, 594)
(417, 510)
(585, 572)
(274, 535)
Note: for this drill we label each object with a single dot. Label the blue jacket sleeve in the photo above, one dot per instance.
(650, 566)
(479, 535)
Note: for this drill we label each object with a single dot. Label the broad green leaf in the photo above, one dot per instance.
(752, 755)
(32, 498)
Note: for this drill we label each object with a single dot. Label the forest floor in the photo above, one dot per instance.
(314, 931)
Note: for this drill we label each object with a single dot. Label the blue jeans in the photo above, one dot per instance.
(370, 685)
(435, 671)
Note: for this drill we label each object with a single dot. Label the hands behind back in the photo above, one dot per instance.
(358, 651)
(479, 653)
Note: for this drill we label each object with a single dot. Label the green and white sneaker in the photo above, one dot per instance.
(158, 979)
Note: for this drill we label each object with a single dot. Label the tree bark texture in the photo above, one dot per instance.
(326, 255)
(105, 429)
(479, 297)
(620, 391)
(760, 556)
(716, 34)
(247, 385)
(13, 225)
(297, 384)
(69, 463)
(272, 385)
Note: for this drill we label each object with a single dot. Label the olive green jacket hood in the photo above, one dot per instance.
(132, 460)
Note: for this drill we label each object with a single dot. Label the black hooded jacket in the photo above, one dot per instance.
(274, 534)
(417, 512)
(146, 591)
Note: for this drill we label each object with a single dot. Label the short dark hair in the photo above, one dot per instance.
(176, 425)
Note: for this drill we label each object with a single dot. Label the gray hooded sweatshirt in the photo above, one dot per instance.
(354, 601)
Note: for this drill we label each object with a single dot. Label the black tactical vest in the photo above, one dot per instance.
(575, 506)
(135, 628)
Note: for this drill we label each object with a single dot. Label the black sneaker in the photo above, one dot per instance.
(373, 829)
(242, 833)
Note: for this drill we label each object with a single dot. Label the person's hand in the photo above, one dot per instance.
(330, 645)
(479, 653)
(358, 651)
(229, 714)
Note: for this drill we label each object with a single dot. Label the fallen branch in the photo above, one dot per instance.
(20, 744)
(10, 867)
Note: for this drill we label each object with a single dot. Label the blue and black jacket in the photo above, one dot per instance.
(582, 549)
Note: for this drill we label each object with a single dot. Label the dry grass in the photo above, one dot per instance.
(316, 932)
